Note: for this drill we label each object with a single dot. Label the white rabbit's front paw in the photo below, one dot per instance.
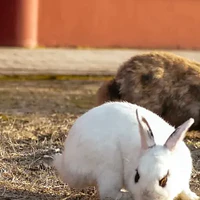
(193, 196)
(189, 195)
(124, 196)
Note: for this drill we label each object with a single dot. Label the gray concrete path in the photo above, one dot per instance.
(70, 61)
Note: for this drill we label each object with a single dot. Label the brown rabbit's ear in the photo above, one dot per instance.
(178, 135)
(147, 138)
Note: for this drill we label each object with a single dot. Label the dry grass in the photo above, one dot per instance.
(35, 117)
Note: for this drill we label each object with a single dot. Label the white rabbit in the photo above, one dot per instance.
(121, 145)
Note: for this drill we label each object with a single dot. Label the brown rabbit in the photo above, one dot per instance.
(164, 83)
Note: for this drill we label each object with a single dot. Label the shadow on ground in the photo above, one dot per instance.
(47, 97)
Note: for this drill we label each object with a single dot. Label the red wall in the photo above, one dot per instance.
(8, 14)
(18, 22)
(120, 23)
(101, 23)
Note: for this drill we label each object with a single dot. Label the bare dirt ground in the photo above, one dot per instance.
(35, 117)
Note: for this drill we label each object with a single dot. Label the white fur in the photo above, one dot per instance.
(103, 148)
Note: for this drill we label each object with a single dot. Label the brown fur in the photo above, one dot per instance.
(109, 91)
(164, 83)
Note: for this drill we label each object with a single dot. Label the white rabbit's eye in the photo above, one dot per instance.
(137, 176)
(163, 181)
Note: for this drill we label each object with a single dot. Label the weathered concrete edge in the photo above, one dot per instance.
(19, 61)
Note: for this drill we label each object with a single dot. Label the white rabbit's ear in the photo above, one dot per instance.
(147, 138)
(178, 134)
